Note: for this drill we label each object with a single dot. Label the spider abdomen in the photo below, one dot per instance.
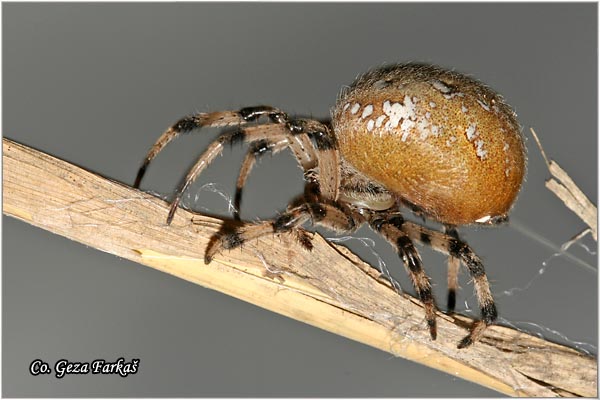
(435, 138)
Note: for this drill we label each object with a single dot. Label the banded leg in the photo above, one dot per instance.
(257, 149)
(269, 132)
(322, 154)
(213, 119)
(462, 251)
(453, 269)
(302, 149)
(331, 216)
(391, 228)
(327, 155)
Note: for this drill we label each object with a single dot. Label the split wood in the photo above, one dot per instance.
(566, 190)
(330, 287)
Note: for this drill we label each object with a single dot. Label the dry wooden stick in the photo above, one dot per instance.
(565, 189)
(329, 287)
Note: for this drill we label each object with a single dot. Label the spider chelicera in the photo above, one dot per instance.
(405, 135)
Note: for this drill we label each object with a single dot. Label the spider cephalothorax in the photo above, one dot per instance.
(411, 135)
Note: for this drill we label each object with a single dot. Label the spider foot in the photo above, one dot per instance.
(489, 314)
(304, 238)
(224, 241)
(430, 317)
(432, 328)
(473, 336)
(466, 342)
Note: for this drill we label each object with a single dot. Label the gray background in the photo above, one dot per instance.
(95, 84)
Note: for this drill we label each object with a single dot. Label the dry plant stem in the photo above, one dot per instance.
(565, 189)
(330, 287)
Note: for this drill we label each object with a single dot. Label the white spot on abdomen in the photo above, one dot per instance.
(399, 111)
(481, 153)
(404, 136)
(370, 125)
(355, 108)
(471, 132)
(368, 110)
(483, 105)
(407, 124)
(379, 120)
(423, 128)
(439, 85)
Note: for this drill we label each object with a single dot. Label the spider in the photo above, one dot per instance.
(403, 135)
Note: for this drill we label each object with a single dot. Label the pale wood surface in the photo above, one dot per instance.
(329, 287)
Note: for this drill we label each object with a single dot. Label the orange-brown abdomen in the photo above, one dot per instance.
(436, 138)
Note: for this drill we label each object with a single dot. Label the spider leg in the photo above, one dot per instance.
(323, 153)
(328, 156)
(454, 247)
(329, 215)
(453, 269)
(213, 119)
(257, 149)
(390, 226)
(300, 145)
(254, 133)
